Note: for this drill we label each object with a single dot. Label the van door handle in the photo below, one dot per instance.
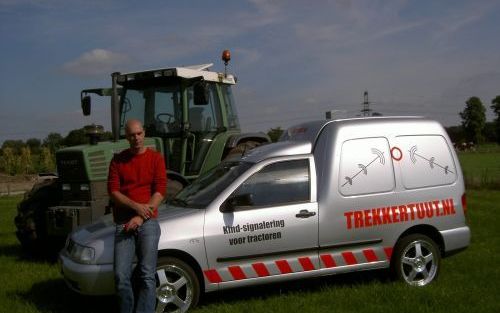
(305, 214)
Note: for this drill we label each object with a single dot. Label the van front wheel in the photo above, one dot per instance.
(178, 288)
(416, 260)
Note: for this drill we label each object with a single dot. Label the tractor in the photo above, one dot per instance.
(189, 115)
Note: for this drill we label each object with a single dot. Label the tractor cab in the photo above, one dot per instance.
(186, 107)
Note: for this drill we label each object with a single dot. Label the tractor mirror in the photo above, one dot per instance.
(86, 105)
(201, 93)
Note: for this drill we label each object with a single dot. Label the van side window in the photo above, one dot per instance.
(279, 183)
(426, 162)
(365, 167)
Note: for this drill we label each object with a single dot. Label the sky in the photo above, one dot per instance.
(294, 60)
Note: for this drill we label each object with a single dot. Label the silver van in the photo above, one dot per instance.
(331, 197)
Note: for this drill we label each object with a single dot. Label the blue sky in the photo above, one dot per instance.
(294, 60)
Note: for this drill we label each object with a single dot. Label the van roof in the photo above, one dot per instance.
(309, 131)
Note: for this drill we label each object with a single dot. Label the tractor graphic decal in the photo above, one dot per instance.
(364, 168)
(432, 160)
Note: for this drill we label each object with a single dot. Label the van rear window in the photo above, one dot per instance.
(365, 167)
(426, 161)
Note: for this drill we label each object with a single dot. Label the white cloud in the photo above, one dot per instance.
(97, 62)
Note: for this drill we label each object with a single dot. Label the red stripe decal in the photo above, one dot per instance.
(349, 258)
(260, 269)
(370, 255)
(328, 260)
(213, 276)
(237, 272)
(306, 264)
(388, 252)
(283, 266)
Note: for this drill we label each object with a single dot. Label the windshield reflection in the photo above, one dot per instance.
(208, 186)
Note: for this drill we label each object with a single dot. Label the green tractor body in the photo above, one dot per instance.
(189, 116)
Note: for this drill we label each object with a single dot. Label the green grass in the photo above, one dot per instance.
(481, 168)
(468, 281)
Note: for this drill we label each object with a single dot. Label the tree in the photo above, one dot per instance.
(275, 133)
(75, 137)
(473, 120)
(25, 161)
(495, 105)
(46, 162)
(8, 161)
(15, 145)
(53, 141)
(34, 144)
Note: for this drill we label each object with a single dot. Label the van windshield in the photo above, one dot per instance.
(208, 186)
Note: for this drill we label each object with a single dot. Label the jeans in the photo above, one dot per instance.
(144, 245)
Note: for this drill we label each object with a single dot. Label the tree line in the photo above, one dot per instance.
(473, 129)
(38, 156)
(474, 126)
(35, 155)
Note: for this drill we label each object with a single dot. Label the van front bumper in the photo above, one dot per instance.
(87, 279)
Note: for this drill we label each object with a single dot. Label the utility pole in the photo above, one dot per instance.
(366, 105)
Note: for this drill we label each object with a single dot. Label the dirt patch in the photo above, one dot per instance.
(12, 185)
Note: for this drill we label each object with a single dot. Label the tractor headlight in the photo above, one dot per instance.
(66, 187)
(80, 253)
(84, 187)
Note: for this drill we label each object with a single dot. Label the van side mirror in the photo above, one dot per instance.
(86, 105)
(201, 93)
(235, 201)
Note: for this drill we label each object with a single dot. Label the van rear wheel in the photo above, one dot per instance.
(177, 286)
(416, 260)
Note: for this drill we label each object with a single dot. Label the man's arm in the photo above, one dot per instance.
(159, 182)
(142, 209)
(155, 200)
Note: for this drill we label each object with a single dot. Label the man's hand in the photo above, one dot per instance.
(134, 223)
(143, 210)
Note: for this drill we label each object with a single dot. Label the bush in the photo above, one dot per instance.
(8, 161)
(24, 162)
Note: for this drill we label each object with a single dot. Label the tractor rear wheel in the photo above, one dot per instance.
(241, 149)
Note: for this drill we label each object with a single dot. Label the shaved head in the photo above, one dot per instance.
(132, 123)
(134, 132)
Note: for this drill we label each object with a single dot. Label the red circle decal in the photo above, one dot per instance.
(396, 153)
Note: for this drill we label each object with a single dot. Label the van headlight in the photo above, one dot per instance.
(80, 253)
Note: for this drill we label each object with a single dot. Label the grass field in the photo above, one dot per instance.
(481, 169)
(468, 281)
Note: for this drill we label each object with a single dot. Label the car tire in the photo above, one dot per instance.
(30, 221)
(416, 260)
(177, 286)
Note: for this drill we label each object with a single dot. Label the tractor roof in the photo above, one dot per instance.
(186, 72)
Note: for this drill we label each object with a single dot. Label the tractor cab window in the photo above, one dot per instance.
(232, 115)
(204, 118)
(205, 122)
(158, 108)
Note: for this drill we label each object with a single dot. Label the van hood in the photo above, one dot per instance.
(100, 235)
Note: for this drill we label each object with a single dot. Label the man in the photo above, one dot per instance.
(136, 184)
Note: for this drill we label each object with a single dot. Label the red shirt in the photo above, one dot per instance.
(137, 176)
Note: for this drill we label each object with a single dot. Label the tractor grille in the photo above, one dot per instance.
(70, 166)
(98, 165)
